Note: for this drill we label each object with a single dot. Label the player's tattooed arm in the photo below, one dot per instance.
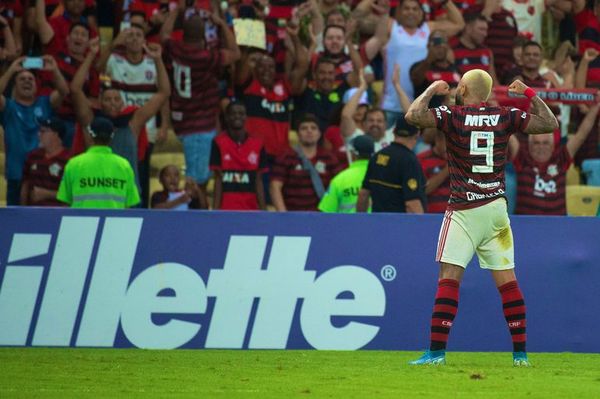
(542, 119)
(418, 113)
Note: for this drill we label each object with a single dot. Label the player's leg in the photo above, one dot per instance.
(455, 250)
(497, 254)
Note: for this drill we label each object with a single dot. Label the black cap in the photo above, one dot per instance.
(403, 128)
(101, 128)
(55, 124)
(363, 145)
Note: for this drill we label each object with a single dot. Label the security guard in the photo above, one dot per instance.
(98, 178)
(343, 190)
(394, 178)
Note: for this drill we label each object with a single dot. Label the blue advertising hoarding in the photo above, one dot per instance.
(159, 279)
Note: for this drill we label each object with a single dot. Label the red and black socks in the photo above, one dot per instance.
(513, 306)
(444, 311)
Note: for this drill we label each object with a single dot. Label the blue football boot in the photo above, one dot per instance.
(520, 359)
(430, 357)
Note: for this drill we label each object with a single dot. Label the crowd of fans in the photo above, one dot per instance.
(329, 70)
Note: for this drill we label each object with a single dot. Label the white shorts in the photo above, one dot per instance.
(484, 230)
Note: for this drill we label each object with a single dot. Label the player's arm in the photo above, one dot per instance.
(418, 113)
(260, 191)
(542, 119)
(576, 141)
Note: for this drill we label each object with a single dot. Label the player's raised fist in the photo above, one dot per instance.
(440, 87)
(517, 87)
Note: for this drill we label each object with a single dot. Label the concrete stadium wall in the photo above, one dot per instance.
(159, 279)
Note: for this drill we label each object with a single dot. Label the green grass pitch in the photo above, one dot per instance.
(135, 373)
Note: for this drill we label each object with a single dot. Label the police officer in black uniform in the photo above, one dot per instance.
(394, 180)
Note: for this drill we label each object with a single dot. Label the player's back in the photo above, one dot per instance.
(477, 141)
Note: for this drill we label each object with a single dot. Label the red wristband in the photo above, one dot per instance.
(529, 93)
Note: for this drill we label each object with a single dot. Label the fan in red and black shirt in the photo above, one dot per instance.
(291, 187)
(69, 60)
(53, 32)
(44, 167)
(435, 168)
(501, 34)
(542, 168)
(238, 162)
(268, 99)
(469, 51)
(476, 221)
(435, 67)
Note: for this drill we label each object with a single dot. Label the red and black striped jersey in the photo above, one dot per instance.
(195, 94)
(239, 164)
(501, 35)
(477, 140)
(298, 191)
(45, 172)
(68, 67)
(466, 58)
(541, 187)
(432, 164)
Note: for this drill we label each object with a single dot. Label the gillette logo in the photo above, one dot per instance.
(85, 298)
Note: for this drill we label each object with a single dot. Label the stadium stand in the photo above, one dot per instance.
(567, 71)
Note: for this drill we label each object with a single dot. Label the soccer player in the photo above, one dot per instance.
(476, 220)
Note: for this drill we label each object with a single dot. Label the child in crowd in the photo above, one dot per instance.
(172, 197)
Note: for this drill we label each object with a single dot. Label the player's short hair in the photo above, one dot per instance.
(137, 14)
(163, 170)
(479, 83)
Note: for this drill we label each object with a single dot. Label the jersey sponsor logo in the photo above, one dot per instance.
(236, 177)
(485, 186)
(481, 120)
(273, 107)
(254, 306)
(320, 167)
(479, 196)
(55, 169)
(253, 158)
(542, 187)
(440, 109)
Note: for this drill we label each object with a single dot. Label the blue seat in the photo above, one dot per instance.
(591, 169)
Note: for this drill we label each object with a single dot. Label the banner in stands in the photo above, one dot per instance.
(565, 96)
(160, 279)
